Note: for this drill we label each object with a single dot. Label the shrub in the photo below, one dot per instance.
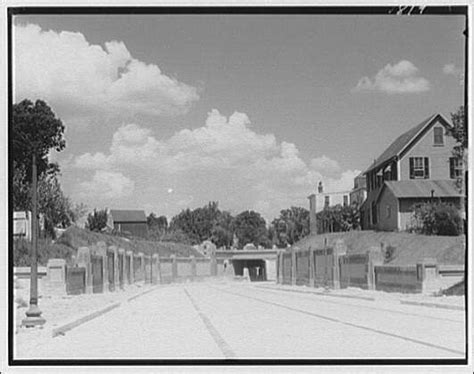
(97, 220)
(436, 219)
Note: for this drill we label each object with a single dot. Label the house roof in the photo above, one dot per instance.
(401, 142)
(128, 215)
(423, 188)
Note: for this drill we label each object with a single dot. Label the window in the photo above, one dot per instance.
(419, 168)
(455, 168)
(326, 201)
(345, 199)
(438, 136)
(389, 211)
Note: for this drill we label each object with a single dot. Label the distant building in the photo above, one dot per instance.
(322, 200)
(417, 167)
(359, 192)
(132, 222)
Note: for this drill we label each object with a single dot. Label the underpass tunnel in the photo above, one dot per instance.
(257, 269)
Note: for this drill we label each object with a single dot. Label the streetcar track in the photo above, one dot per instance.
(216, 336)
(309, 296)
(335, 320)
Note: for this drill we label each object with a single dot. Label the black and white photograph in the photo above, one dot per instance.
(266, 185)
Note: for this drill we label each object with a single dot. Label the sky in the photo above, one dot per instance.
(164, 113)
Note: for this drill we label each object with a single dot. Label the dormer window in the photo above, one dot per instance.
(438, 136)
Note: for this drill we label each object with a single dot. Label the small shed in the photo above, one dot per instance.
(131, 222)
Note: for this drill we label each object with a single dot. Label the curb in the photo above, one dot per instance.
(432, 305)
(367, 298)
(61, 330)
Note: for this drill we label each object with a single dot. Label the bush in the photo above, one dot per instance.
(437, 219)
(97, 220)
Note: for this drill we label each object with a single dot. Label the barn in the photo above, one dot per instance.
(131, 222)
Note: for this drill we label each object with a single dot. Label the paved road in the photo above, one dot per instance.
(238, 320)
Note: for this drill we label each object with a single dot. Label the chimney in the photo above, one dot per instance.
(320, 187)
(313, 228)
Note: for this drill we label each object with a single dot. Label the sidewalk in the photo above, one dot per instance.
(447, 302)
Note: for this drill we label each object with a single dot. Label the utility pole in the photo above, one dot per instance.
(33, 314)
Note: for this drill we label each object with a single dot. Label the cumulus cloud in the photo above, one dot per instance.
(81, 79)
(106, 185)
(223, 160)
(395, 79)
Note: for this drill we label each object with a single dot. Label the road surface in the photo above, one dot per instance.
(242, 320)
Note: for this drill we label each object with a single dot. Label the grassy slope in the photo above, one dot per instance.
(409, 247)
(74, 237)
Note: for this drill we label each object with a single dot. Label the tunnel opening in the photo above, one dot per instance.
(257, 269)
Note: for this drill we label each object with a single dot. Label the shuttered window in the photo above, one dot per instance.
(419, 168)
(455, 168)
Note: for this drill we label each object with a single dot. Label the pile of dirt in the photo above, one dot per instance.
(407, 248)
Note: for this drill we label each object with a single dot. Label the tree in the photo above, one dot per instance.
(205, 223)
(338, 218)
(36, 130)
(291, 226)
(250, 227)
(53, 204)
(97, 220)
(459, 133)
(222, 232)
(436, 218)
(157, 226)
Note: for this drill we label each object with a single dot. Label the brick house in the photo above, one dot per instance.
(132, 222)
(417, 167)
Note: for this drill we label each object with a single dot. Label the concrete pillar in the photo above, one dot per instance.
(174, 267)
(122, 275)
(293, 266)
(136, 272)
(148, 269)
(114, 249)
(313, 227)
(130, 275)
(83, 259)
(375, 258)
(56, 276)
(280, 267)
(213, 264)
(101, 250)
(142, 266)
(311, 267)
(339, 250)
(155, 272)
(193, 267)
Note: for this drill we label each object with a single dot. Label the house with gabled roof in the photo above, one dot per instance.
(130, 222)
(417, 167)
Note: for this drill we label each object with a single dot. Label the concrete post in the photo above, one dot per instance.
(56, 276)
(148, 269)
(101, 250)
(340, 249)
(280, 267)
(174, 267)
(154, 269)
(193, 267)
(130, 274)
(84, 260)
(142, 266)
(116, 267)
(311, 267)
(121, 253)
(375, 258)
(293, 266)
